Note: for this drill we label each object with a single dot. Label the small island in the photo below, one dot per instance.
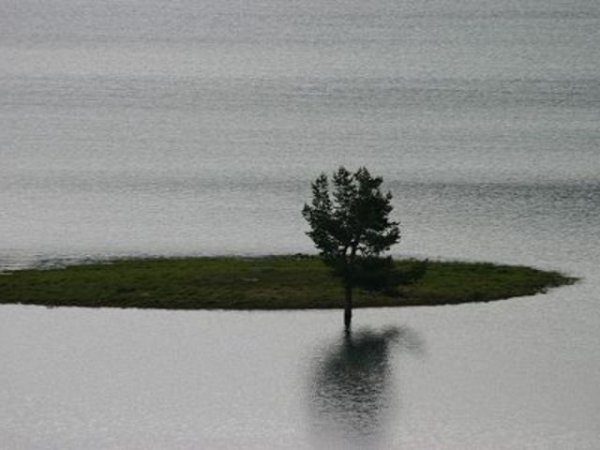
(269, 282)
(351, 228)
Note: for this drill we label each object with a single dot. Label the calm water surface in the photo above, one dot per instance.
(134, 128)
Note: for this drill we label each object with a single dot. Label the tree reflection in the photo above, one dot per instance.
(352, 389)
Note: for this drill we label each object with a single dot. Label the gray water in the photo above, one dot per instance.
(132, 128)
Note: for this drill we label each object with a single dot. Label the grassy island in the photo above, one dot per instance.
(273, 282)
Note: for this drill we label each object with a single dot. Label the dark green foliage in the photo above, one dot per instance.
(414, 273)
(377, 274)
(353, 219)
(351, 227)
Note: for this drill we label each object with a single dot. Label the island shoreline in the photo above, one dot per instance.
(284, 282)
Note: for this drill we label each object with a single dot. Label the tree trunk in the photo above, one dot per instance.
(349, 284)
(348, 307)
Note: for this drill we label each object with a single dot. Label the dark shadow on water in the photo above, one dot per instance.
(352, 384)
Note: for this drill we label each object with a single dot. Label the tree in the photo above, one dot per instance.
(350, 228)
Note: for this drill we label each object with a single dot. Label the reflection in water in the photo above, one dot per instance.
(352, 388)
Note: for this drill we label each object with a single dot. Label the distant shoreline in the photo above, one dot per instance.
(263, 283)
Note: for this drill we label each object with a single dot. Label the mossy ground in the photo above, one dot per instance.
(274, 282)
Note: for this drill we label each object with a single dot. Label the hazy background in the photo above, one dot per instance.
(134, 128)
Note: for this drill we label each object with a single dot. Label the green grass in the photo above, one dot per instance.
(278, 282)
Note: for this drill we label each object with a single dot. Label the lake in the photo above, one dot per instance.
(145, 128)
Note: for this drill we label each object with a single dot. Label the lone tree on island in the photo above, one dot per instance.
(351, 228)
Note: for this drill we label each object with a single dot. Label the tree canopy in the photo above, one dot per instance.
(350, 227)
